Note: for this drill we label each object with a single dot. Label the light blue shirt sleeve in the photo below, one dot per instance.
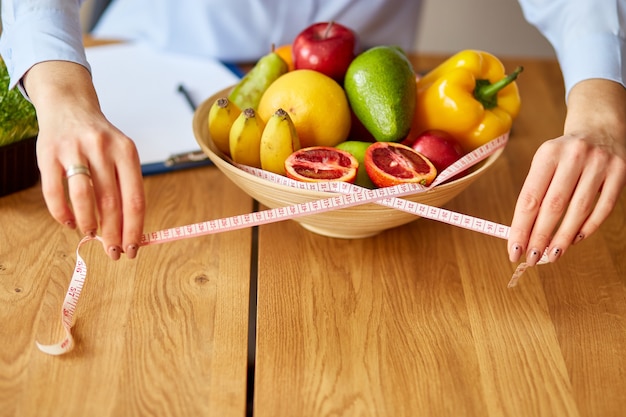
(587, 35)
(35, 31)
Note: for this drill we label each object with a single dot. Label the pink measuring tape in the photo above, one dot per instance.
(347, 195)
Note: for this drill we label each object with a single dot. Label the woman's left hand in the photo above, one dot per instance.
(574, 180)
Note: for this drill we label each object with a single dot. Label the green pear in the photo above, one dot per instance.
(247, 93)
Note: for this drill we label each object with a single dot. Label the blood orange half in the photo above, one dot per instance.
(392, 163)
(321, 163)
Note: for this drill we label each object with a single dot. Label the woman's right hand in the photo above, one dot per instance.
(73, 132)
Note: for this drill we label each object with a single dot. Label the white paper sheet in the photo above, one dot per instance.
(138, 91)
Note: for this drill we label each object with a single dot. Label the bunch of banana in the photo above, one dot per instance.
(278, 141)
(222, 115)
(245, 138)
(248, 91)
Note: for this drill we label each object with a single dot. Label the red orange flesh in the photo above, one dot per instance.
(391, 163)
(321, 163)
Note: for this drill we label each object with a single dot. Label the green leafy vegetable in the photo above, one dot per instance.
(17, 115)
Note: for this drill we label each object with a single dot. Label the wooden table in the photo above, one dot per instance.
(417, 321)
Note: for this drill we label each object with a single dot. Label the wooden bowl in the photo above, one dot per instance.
(351, 222)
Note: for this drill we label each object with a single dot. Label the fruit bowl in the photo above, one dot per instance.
(351, 222)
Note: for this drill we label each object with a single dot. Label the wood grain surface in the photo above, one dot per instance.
(162, 335)
(418, 321)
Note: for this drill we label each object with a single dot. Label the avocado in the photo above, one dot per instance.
(381, 87)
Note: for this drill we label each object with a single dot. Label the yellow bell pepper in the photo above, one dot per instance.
(469, 96)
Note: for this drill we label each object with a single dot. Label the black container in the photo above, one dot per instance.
(18, 166)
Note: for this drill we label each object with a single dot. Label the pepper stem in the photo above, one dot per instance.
(487, 92)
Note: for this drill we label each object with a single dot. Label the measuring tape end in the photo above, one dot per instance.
(58, 348)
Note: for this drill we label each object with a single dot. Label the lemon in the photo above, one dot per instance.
(316, 103)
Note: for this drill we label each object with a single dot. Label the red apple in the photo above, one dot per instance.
(327, 47)
(439, 147)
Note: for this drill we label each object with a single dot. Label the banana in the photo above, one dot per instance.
(278, 141)
(248, 91)
(222, 115)
(245, 138)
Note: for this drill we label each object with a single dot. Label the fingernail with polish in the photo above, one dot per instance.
(131, 251)
(115, 252)
(515, 252)
(578, 238)
(533, 257)
(555, 254)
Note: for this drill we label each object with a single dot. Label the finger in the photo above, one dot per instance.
(580, 207)
(528, 204)
(81, 196)
(552, 209)
(108, 204)
(52, 180)
(609, 195)
(133, 203)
